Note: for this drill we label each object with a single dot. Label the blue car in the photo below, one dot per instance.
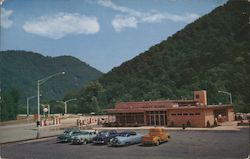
(126, 138)
(103, 137)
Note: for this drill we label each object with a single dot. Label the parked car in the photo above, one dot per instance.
(103, 137)
(155, 136)
(126, 138)
(83, 137)
(66, 136)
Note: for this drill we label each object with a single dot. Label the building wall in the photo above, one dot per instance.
(201, 97)
(230, 114)
(182, 116)
(209, 117)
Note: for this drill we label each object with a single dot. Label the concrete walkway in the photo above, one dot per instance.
(227, 126)
(17, 132)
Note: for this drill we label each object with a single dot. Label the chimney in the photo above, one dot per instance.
(201, 97)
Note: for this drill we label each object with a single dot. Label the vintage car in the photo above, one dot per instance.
(66, 136)
(126, 138)
(155, 136)
(103, 137)
(83, 137)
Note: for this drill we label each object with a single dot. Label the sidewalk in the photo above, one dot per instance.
(17, 132)
(227, 126)
(219, 128)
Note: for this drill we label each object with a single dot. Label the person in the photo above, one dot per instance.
(215, 122)
(208, 124)
(220, 118)
(183, 126)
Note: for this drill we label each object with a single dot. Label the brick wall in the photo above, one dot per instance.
(182, 116)
(209, 117)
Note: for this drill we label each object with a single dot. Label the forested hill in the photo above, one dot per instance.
(212, 53)
(21, 70)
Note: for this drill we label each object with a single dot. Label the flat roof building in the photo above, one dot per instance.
(195, 113)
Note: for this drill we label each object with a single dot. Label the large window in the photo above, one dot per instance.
(156, 118)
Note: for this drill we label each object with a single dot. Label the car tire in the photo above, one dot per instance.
(157, 143)
(85, 142)
(127, 143)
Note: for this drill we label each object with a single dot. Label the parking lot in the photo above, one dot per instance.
(183, 144)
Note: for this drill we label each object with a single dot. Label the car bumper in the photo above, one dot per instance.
(99, 142)
(116, 144)
(76, 141)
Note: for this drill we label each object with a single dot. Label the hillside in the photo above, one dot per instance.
(21, 70)
(211, 53)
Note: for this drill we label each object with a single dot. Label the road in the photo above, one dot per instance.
(183, 144)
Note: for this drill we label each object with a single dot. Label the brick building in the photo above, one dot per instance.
(195, 113)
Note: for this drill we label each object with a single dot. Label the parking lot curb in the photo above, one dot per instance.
(168, 129)
(27, 140)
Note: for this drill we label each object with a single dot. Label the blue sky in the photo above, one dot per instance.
(102, 33)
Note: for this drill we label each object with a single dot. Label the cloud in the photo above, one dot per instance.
(110, 4)
(133, 17)
(1, 2)
(153, 17)
(121, 22)
(5, 15)
(59, 25)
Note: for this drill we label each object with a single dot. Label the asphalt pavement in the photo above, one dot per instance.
(183, 144)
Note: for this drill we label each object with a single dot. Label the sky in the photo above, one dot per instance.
(102, 33)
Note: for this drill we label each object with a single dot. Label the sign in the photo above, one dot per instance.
(45, 110)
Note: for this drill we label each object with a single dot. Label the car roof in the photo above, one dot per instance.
(127, 132)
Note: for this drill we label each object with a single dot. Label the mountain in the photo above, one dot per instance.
(22, 69)
(212, 53)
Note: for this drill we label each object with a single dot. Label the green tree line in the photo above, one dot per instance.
(9, 104)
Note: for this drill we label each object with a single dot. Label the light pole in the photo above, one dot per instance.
(65, 104)
(40, 82)
(228, 93)
(28, 104)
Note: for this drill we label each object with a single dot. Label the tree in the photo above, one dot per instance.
(9, 104)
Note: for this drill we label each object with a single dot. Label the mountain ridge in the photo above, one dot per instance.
(210, 53)
(22, 69)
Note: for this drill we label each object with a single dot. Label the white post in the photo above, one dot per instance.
(38, 102)
(38, 110)
(48, 110)
(65, 110)
(27, 100)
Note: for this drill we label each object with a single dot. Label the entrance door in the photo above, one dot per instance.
(156, 118)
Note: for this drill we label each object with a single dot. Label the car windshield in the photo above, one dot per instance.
(103, 133)
(124, 134)
(76, 133)
(66, 132)
(84, 133)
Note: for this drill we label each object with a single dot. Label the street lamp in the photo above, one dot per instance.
(228, 93)
(65, 104)
(40, 82)
(28, 104)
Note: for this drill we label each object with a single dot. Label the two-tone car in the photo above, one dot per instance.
(83, 137)
(103, 137)
(66, 136)
(126, 138)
